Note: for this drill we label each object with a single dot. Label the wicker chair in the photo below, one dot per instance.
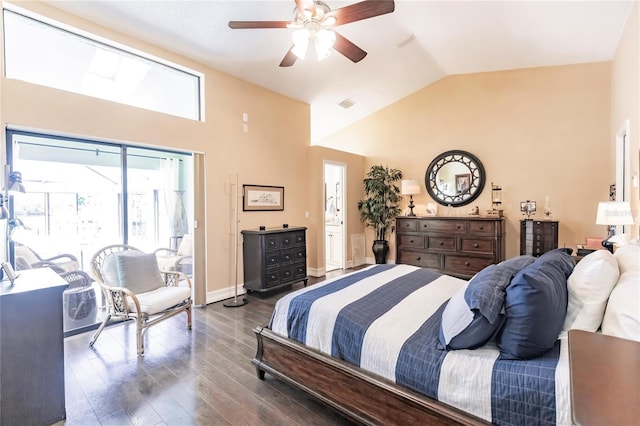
(27, 258)
(177, 260)
(146, 308)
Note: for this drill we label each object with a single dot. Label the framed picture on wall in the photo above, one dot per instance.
(262, 198)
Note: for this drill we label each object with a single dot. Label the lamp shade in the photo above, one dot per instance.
(410, 187)
(614, 213)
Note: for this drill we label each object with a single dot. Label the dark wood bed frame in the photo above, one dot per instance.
(363, 397)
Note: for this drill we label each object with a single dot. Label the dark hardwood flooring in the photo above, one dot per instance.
(199, 377)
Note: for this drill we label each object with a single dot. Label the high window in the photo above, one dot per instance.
(46, 54)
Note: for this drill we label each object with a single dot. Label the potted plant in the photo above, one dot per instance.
(380, 206)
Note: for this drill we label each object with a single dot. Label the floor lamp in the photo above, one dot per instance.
(236, 301)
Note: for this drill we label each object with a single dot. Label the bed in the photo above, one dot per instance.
(370, 344)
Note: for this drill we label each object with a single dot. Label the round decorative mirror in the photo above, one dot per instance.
(455, 178)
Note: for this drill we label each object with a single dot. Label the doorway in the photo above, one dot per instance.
(334, 214)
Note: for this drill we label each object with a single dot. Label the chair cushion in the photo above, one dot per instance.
(186, 246)
(160, 299)
(139, 272)
(589, 286)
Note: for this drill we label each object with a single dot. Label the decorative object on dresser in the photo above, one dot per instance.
(538, 236)
(380, 206)
(455, 178)
(456, 246)
(496, 201)
(528, 208)
(410, 188)
(612, 214)
(274, 258)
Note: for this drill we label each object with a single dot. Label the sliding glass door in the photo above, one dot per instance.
(82, 195)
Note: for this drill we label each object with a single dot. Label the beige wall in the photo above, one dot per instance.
(625, 101)
(355, 171)
(272, 153)
(538, 132)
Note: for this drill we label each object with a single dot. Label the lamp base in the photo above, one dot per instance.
(236, 302)
(608, 245)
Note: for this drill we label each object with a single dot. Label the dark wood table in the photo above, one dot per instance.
(605, 379)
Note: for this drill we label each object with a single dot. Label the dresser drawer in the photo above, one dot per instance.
(482, 228)
(416, 258)
(299, 270)
(271, 277)
(441, 243)
(466, 265)
(287, 257)
(271, 242)
(414, 241)
(406, 225)
(443, 226)
(272, 260)
(472, 245)
(299, 238)
(299, 254)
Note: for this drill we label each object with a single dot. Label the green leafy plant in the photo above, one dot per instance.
(380, 206)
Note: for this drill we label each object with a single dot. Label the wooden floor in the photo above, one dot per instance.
(198, 377)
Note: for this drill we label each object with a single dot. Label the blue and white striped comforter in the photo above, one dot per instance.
(385, 319)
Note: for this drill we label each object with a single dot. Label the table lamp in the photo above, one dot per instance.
(613, 213)
(410, 188)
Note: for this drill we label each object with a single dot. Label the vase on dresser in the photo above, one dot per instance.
(380, 250)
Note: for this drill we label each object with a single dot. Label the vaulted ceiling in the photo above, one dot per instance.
(408, 49)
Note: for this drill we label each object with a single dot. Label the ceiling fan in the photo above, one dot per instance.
(314, 22)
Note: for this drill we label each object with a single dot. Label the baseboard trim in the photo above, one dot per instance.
(224, 293)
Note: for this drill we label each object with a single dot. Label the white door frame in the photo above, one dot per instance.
(623, 168)
(341, 205)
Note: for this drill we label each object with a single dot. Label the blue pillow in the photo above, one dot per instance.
(535, 306)
(475, 313)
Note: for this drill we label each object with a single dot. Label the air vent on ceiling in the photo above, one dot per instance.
(347, 103)
(406, 41)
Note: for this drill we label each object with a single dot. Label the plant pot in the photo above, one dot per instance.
(380, 250)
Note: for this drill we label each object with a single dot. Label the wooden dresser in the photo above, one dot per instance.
(32, 349)
(458, 246)
(538, 236)
(274, 257)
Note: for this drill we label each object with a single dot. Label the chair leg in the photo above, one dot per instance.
(99, 330)
(139, 335)
(189, 317)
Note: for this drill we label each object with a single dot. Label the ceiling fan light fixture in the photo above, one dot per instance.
(300, 42)
(325, 39)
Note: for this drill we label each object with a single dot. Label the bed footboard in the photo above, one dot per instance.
(361, 396)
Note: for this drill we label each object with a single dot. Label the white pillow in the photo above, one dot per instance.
(109, 268)
(139, 273)
(628, 257)
(589, 286)
(622, 317)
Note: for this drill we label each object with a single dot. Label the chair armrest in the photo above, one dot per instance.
(165, 251)
(173, 278)
(47, 264)
(61, 256)
(117, 298)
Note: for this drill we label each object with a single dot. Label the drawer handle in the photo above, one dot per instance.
(273, 277)
(441, 243)
(481, 228)
(418, 258)
(410, 241)
(476, 245)
(466, 263)
(425, 225)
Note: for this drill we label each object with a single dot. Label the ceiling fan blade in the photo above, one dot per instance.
(363, 10)
(304, 5)
(289, 59)
(349, 49)
(244, 25)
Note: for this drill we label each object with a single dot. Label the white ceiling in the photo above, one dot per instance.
(451, 37)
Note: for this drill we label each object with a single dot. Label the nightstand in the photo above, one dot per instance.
(605, 379)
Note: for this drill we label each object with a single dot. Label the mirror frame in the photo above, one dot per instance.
(476, 170)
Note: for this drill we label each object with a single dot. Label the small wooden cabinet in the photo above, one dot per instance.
(454, 245)
(538, 236)
(274, 258)
(32, 349)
